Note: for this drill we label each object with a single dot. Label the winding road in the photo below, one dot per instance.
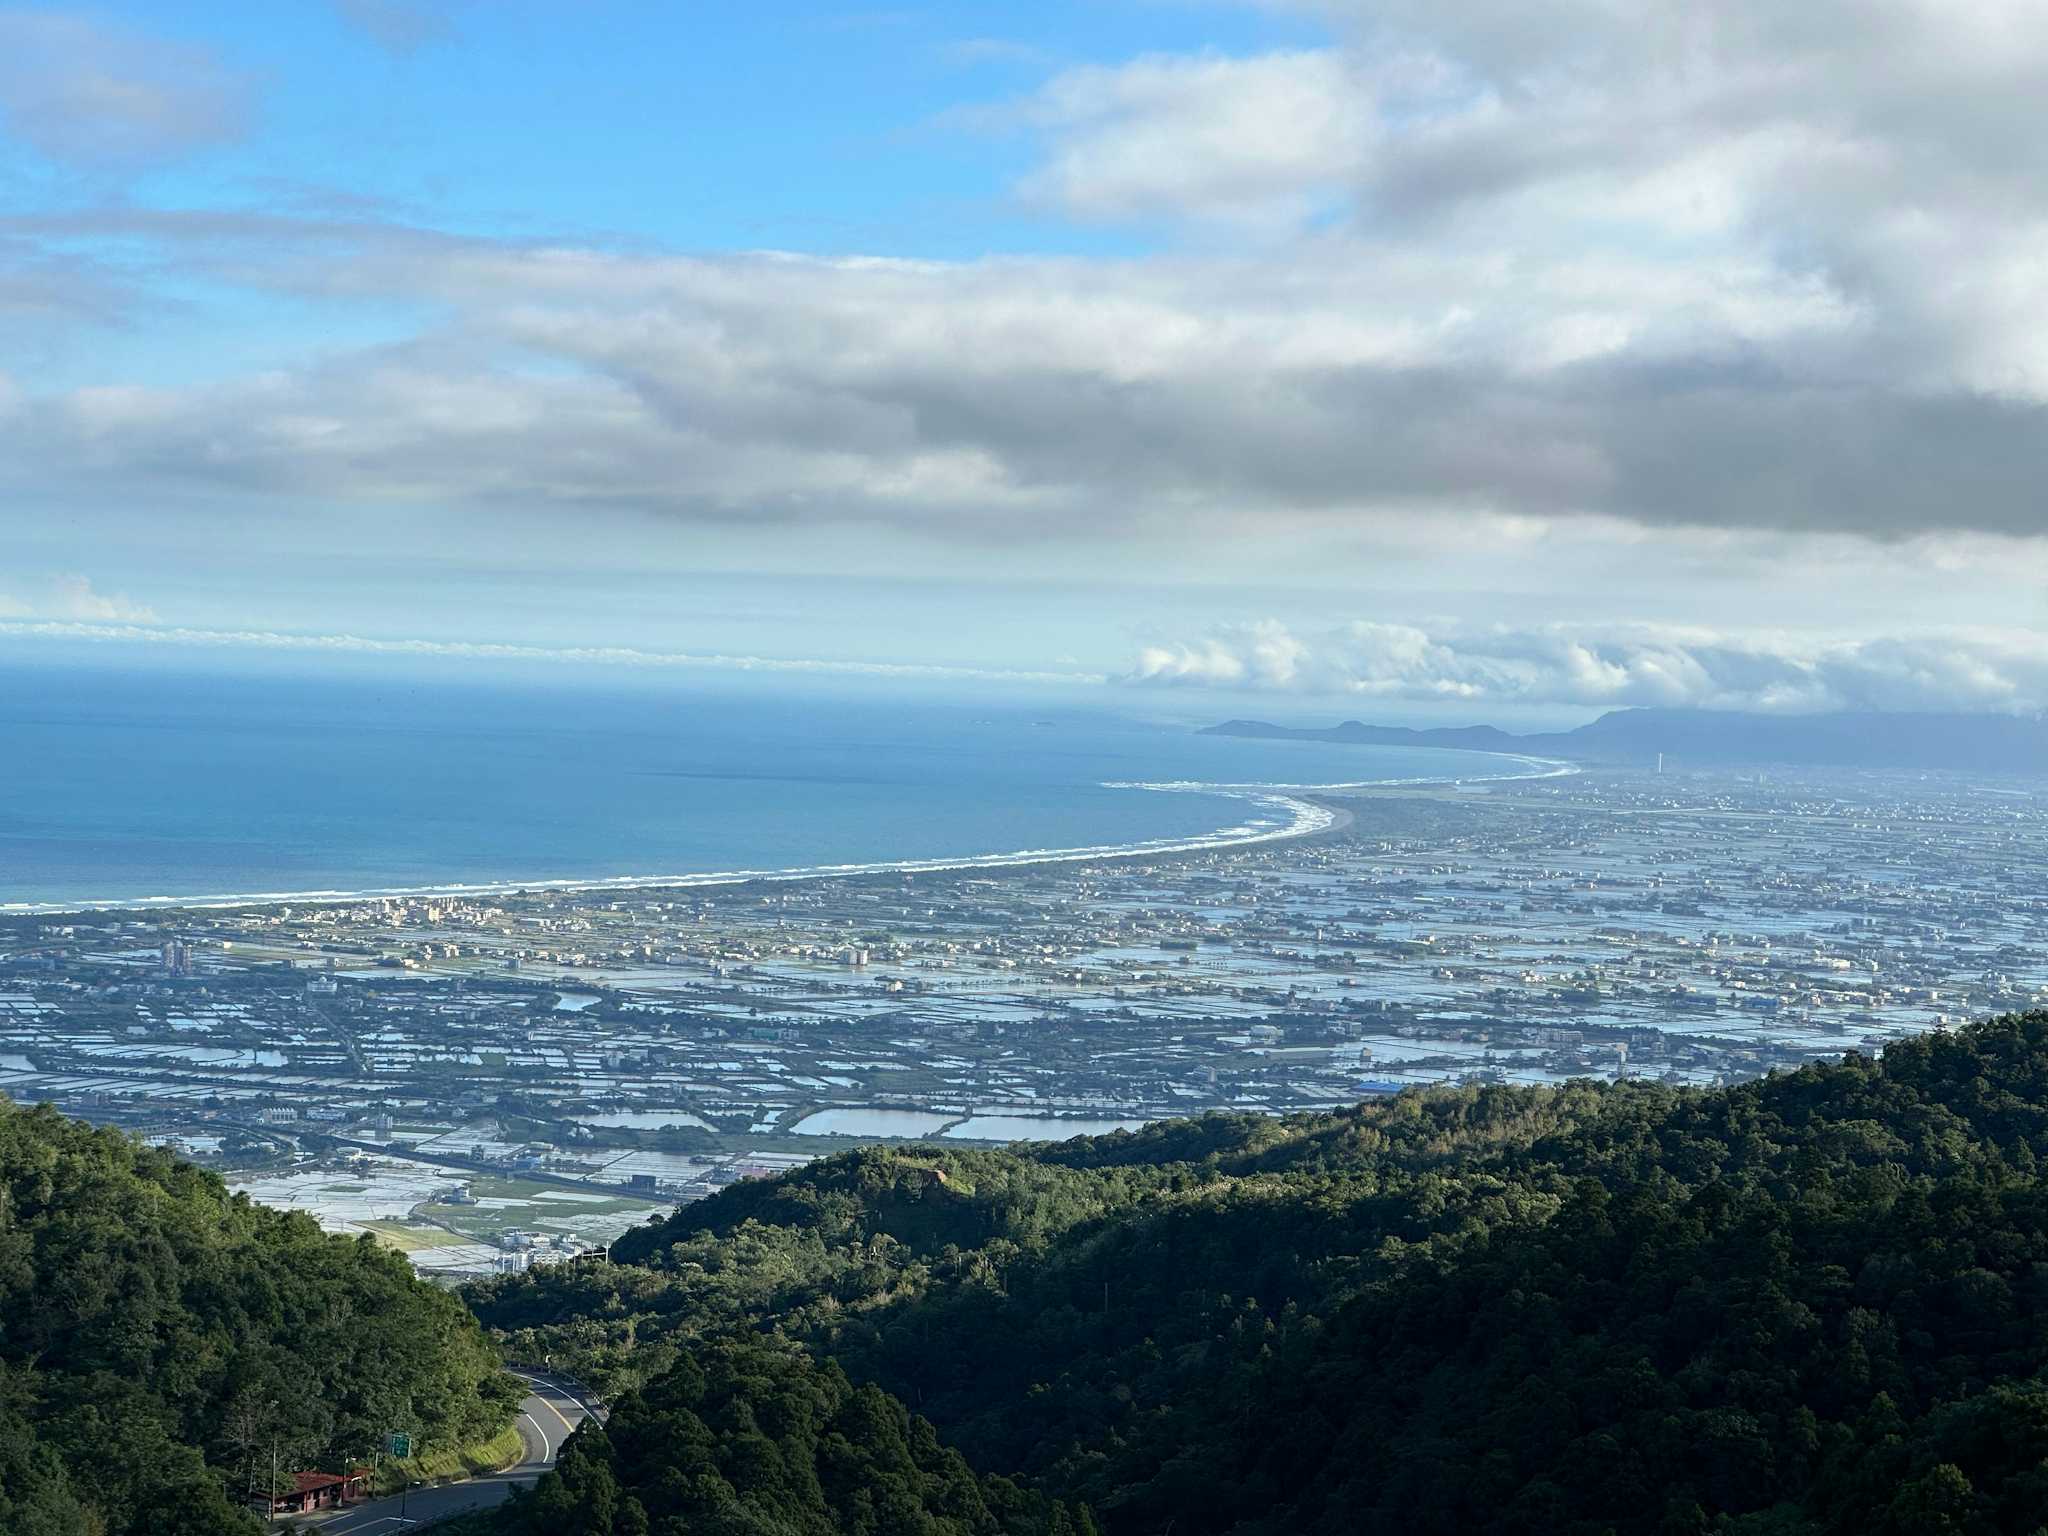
(546, 1417)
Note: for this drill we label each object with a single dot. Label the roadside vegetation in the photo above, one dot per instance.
(162, 1341)
(441, 1464)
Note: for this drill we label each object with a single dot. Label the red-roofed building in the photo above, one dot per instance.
(321, 1490)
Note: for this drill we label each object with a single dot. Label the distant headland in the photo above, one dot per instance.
(1993, 743)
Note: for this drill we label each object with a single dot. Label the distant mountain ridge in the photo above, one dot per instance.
(2001, 743)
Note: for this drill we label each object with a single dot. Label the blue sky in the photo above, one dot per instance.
(796, 127)
(1367, 356)
(807, 128)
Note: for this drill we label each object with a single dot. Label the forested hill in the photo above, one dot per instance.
(156, 1332)
(1813, 1303)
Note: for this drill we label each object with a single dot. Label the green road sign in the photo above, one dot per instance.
(401, 1446)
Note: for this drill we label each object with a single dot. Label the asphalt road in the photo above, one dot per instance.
(546, 1417)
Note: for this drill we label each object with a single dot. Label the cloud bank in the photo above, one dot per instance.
(114, 627)
(1007, 398)
(1611, 667)
(1750, 267)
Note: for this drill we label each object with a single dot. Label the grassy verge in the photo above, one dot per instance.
(500, 1451)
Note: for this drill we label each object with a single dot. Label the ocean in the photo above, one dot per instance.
(153, 786)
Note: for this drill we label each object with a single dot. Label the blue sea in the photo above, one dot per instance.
(130, 787)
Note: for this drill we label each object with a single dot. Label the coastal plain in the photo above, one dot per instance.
(490, 1082)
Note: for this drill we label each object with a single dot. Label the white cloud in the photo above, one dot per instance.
(1234, 138)
(1613, 666)
(1749, 266)
(1882, 152)
(94, 95)
(998, 398)
(73, 597)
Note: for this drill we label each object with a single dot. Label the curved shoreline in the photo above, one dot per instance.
(1305, 819)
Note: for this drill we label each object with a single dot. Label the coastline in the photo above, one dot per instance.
(1306, 819)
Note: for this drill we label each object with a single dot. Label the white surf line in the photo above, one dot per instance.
(1305, 819)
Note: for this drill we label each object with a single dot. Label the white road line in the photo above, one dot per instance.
(551, 1408)
(547, 1450)
(556, 1386)
(587, 1410)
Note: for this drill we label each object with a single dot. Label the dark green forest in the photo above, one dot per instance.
(1813, 1303)
(1817, 1302)
(159, 1336)
(748, 1437)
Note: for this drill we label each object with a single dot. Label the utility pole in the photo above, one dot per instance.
(405, 1472)
(270, 1500)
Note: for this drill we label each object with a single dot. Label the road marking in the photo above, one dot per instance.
(551, 1408)
(547, 1451)
(556, 1386)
